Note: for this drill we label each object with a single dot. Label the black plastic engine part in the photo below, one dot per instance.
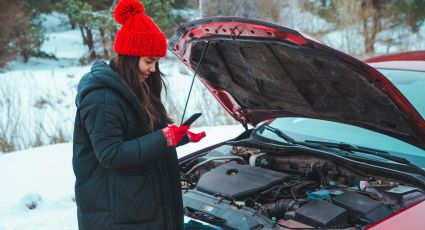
(221, 213)
(405, 195)
(362, 208)
(280, 207)
(319, 213)
(238, 181)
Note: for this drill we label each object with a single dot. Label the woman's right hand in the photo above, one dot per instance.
(174, 134)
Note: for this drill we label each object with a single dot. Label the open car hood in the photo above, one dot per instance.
(258, 71)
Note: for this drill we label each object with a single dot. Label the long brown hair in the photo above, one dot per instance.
(148, 92)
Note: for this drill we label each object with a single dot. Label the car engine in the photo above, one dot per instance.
(238, 187)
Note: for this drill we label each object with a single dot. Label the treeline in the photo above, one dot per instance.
(23, 35)
(369, 18)
(373, 17)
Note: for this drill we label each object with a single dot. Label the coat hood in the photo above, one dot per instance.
(259, 71)
(102, 76)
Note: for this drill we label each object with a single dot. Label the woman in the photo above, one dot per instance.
(124, 156)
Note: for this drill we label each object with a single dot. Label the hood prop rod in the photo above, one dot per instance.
(193, 79)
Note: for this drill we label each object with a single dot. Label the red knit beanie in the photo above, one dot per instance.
(139, 35)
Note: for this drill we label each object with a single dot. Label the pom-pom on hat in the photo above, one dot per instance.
(139, 35)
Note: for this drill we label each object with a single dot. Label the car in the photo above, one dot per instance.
(330, 141)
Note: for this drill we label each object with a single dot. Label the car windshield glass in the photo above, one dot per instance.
(411, 84)
(302, 129)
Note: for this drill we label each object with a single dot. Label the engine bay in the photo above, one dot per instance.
(240, 187)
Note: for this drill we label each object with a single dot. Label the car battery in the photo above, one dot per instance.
(361, 207)
(321, 214)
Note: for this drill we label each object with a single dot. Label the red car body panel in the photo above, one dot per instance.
(414, 60)
(418, 55)
(411, 218)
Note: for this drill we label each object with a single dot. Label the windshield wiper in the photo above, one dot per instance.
(280, 134)
(346, 148)
(353, 148)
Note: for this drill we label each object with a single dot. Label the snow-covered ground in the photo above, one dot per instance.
(42, 178)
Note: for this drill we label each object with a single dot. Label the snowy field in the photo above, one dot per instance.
(42, 179)
(38, 97)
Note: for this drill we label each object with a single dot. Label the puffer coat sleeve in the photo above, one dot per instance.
(105, 124)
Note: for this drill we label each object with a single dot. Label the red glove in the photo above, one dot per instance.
(195, 137)
(174, 134)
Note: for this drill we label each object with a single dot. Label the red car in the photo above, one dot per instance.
(336, 143)
(407, 72)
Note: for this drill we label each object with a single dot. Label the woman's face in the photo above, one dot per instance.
(146, 67)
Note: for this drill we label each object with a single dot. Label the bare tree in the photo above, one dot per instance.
(10, 117)
(262, 9)
(12, 20)
(376, 20)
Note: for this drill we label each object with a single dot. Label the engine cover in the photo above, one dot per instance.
(238, 181)
(210, 209)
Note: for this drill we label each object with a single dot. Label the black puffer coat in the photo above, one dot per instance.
(126, 177)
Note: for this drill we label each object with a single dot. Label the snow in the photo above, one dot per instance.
(214, 135)
(72, 48)
(43, 177)
(45, 172)
(54, 22)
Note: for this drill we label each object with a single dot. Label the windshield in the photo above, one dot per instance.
(302, 129)
(411, 84)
